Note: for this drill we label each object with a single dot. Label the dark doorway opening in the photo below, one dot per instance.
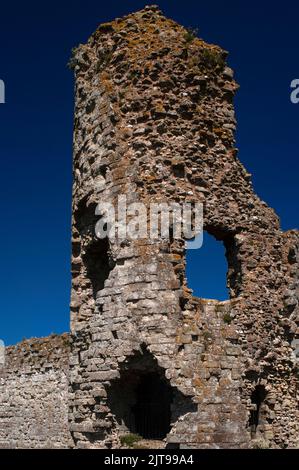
(142, 400)
(98, 264)
(257, 399)
(151, 411)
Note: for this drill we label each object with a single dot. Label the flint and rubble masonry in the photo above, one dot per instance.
(34, 394)
(154, 119)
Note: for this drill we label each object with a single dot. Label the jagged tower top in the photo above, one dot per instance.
(144, 36)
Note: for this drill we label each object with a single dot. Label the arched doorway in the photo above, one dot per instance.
(143, 401)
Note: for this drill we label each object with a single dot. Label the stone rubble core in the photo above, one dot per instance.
(154, 120)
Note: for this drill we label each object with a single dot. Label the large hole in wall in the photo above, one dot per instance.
(143, 401)
(207, 268)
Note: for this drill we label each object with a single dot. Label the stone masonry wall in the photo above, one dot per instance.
(155, 120)
(34, 394)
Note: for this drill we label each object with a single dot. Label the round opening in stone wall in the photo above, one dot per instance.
(206, 269)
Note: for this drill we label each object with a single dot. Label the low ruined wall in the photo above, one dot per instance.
(34, 394)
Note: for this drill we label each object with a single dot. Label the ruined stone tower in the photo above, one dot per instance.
(155, 120)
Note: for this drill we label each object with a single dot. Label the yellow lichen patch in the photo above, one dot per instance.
(106, 81)
(197, 382)
(175, 257)
(159, 106)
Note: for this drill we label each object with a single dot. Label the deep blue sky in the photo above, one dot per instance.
(36, 135)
